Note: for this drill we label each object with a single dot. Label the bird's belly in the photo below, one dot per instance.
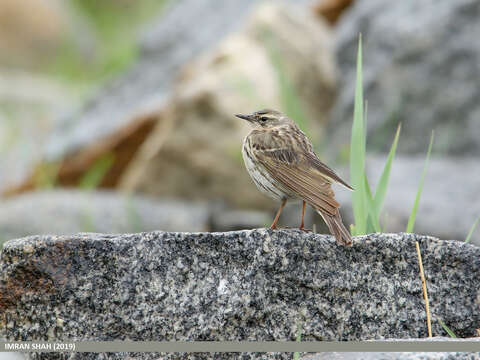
(263, 180)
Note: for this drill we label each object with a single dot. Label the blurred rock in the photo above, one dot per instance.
(32, 31)
(166, 46)
(235, 286)
(450, 200)
(118, 117)
(332, 9)
(23, 35)
(27, 88)
(241, 75)
(420, 68)
(29, 105)
(292, 215)
(70, 211)
(229, 220)
(121, 146)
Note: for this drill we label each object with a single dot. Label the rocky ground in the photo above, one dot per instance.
(245, 285)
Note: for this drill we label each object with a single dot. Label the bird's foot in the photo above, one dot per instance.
(304, 230)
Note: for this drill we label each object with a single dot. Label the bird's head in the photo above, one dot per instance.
(265, 118)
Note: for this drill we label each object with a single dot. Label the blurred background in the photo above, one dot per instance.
(117, 115)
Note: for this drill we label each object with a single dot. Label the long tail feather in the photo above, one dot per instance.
(336, 227)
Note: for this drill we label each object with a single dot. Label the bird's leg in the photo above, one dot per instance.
(274, 224)
(302, 225)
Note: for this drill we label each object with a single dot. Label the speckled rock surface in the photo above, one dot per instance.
(245, 285)
(156, 356)
(247, 356)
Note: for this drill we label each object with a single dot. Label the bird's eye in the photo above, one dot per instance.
(263, 118)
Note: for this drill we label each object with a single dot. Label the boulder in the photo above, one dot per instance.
(29, 105)
(118, 117)
(450, 200)
(24, 36)
(246, 285)
(281, 48)
(72, 211)
(420, 68)
(120, 146)
(332, 9)
(27, 41)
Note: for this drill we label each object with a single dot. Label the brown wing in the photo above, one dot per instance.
(314, 161)
(326, 170)
(290, 165)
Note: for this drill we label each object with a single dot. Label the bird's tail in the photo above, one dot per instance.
(336, 227)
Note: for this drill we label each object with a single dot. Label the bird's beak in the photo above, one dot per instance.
(249, 118)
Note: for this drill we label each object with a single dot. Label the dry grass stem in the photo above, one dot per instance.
(425, 294)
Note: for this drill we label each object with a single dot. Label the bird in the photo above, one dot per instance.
(283, 165)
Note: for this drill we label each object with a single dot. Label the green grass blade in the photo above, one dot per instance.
(413, 214)
(94, 176)
(353, 230)
(384, 179)
(472, 229)
(373, 224)
(447, 329)
(365, 120)
(357, 152)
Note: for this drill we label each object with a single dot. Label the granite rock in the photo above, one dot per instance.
(245, 285)
(267, 356)
(154, 356)
(420, 69)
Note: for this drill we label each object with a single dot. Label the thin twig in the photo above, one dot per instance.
(425, 294)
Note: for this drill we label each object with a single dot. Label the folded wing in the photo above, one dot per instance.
(294, 171)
